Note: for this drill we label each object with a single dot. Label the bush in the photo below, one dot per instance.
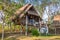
(35, 32)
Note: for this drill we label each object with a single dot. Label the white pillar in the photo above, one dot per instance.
(40, 25)
(47, 29)
(26, 25)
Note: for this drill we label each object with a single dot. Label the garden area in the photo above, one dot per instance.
(35, 35)
(30, 37)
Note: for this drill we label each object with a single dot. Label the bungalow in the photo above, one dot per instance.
(27, 16)
(56, 24)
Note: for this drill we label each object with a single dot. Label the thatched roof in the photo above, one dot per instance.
(56, 18)
(24, 8)
(56, 21)
(22, 11)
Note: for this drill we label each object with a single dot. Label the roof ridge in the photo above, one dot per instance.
(22, 9)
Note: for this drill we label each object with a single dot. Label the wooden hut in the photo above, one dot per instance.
(27, 15)
(56, 24)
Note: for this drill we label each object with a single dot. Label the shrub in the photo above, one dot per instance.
(35, 32)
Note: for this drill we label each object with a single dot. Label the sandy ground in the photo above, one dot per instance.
(39, 38)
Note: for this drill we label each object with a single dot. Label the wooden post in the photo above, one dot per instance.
(55, 31)
(39, 24)
(21, 30)
(26, 24)
(47, 28)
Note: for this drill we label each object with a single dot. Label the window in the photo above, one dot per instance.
(31, 21)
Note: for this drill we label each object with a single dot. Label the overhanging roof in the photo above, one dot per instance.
(22, 11)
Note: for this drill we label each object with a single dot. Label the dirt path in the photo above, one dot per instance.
(39, 38)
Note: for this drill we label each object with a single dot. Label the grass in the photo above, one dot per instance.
(33, 38)
(12, 38)
(40, 38)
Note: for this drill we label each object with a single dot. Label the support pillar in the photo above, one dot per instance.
(55, 31)
(39, 24)
(26, 25)
(47, 28)
(21, 30)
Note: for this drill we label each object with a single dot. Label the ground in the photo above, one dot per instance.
(40, 38)
(37, 38)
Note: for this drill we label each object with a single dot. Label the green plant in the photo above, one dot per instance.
(35, 32)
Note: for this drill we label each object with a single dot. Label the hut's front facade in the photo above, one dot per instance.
(56, 24)
(27, 15)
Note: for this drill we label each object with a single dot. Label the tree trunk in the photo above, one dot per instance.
(3, 28)
(3, 31)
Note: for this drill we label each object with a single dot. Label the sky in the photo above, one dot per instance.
(1, 16)
(49, 10)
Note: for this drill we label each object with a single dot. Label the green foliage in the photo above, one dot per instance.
(9, 9)
(0, 7)
(6, 28)
(35, 32)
